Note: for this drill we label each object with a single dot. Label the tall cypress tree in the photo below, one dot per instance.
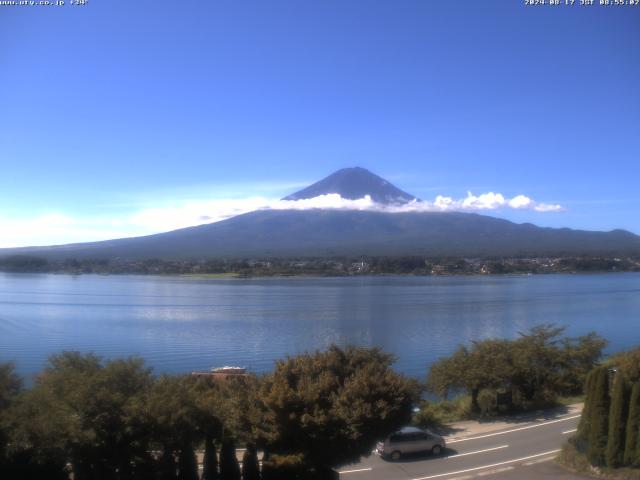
(631, 445)
(599, 417)
(617, 422)
(187, 463)
(167, 465)
(250, 465)
(210, 462)
(229, 467)
(584, 426)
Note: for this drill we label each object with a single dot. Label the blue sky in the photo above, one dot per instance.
(120, 116)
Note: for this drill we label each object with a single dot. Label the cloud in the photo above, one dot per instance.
(488, 201)
(56, 228)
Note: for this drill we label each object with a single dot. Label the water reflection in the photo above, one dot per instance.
(181, 324)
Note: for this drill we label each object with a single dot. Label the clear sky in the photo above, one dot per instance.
(130, 117)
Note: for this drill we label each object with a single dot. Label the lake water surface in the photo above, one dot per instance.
(180, 324)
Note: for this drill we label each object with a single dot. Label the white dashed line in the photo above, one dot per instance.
(541, 460)
(477, 451)
(488, 466)
(570, 431)
(494, 471)
(513, 430)
(355, 471)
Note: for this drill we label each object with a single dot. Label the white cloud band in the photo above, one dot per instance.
(59, 229)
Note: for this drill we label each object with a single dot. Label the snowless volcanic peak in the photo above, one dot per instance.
(354, 183)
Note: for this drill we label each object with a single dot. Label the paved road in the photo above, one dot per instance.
(524, 451)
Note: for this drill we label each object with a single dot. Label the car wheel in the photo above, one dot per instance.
(436, 450)
(395, 455)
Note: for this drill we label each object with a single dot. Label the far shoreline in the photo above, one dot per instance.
(239, 276)
(338, 266)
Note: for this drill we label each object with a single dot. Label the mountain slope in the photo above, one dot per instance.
(287, 233)
(296, 233)
(355, 183)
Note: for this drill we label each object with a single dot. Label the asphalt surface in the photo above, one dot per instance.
(522, 451)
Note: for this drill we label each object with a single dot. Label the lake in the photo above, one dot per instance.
(180, 324)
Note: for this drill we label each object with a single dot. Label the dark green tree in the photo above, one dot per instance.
(599, 417)
(10, 384)
(330, 407)
(229, 466)
(579, 356)
(187, 463)
(250, 465)
(210, 461)
(584, 426)
(539, 363)
(212, 403)
(617, 422)
(628, 363)
(176, 421)
(535, 368)
(10, 387)
(632, 446)
(95, 425)
(168, 467)
(448, 373)
(486, 365)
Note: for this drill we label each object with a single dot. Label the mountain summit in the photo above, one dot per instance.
(354, 183)
(330, 232)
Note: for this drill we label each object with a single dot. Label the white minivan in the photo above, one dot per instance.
(410, 440)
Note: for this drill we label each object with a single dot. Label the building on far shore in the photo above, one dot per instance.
(222, 373)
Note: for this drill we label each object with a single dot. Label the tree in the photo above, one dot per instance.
(539, 363)
(10, 384)
(535, 367)
(330, 407)
(584, 426)
(629, 364)
(250, 465)
(632, 445)
(10, 387)
(599, 417)
(187, 463)
(617, 422)
(229, 467)
(94, 425)
(210, 461)
(581, 355)
(176, 422)
(490, 366)
(486, 365)
(448, 373)
(238, 398)
(168, 467)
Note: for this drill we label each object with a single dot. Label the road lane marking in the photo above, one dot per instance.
(488, 466)
(513, 430)
(541, 460)
(477, 451)
(355, 470)
(570, 431)
(494, 471)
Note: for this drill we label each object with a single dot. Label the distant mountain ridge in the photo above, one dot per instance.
(332, 232)
(353, 184)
